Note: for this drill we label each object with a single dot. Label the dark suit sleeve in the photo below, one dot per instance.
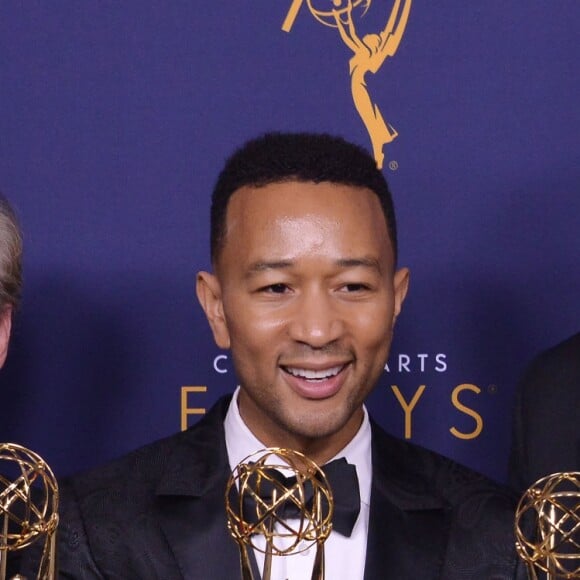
(75, 560)
(482, 541)
(546, 430)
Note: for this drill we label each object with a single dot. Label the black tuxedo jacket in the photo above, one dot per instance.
(546, 429)
(158, 514)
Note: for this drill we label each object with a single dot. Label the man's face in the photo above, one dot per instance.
(305, 296)
(5, 326)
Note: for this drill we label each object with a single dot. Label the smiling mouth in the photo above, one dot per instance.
(314, 375)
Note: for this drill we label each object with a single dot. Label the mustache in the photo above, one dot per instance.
(334, 350)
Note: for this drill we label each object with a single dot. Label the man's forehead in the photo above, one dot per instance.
(287, 219)
(297, 195)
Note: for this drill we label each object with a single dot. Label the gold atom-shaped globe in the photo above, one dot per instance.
(28, 497)
(548, 525)
(269, 485)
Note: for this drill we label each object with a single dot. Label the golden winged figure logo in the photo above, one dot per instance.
(369, 54)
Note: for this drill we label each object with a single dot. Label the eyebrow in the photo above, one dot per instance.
(264, 266)
(364, 262)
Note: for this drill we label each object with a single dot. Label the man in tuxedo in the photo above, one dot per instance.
(10, 290)
(305, 292)
(10, 272)
(546, 430)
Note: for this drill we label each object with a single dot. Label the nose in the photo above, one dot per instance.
(316, 320)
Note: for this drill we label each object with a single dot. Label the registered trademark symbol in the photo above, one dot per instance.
(492, 389)
(393, 165)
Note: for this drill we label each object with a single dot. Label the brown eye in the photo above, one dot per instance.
(357, 287)
(276, 288)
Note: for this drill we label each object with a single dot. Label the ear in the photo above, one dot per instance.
(209, 295)
(5, 327)
(401, 286)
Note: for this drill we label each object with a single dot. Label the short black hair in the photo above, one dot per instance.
(281, 157)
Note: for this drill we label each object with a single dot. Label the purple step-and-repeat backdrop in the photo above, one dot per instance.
(115, 118)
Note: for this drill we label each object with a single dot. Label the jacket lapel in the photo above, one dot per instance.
(408, 525)
(190, 502)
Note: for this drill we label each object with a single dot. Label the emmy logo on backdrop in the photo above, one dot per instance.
(548, 527)
(290, 512)
(28, 508)
(369, 53)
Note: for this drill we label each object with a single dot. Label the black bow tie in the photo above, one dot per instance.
(343, 482)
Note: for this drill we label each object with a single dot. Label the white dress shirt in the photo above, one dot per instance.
(344, 557)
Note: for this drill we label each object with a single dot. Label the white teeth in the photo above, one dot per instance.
(314, 375)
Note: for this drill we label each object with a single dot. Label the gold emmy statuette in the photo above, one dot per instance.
(257, 496)
(368, 54)
(28, 508)
(547, 527)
